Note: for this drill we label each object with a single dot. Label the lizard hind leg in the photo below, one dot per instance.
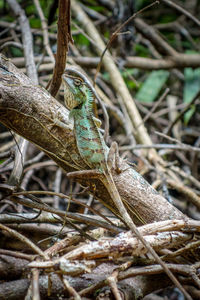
(86, 174)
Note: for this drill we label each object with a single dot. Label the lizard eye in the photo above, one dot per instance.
(77, 82)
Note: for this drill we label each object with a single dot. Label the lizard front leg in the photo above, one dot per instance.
(113, 158)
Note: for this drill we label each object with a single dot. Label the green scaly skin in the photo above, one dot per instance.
(79, 99)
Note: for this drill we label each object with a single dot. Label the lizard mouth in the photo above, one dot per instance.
(78, 106)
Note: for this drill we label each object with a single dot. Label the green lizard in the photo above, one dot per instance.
(79, 97)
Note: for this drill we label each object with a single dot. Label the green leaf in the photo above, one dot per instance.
(141, 50)
(81, 40)
(35, 23)
(191, 89)
(152, 86)
(17, 52)
(128, 74)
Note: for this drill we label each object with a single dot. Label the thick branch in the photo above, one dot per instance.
(30, 111)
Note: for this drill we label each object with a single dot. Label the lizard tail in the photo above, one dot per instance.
(123, 212)
(113, 191)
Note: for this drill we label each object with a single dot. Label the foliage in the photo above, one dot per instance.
(152, 86)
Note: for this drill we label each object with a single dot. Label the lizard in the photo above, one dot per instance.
(79, 97)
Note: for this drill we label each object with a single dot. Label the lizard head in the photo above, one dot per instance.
(76, 89)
